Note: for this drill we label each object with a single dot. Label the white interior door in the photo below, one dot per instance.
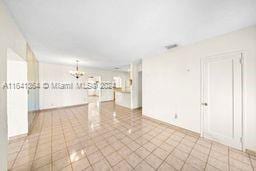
(222, 99)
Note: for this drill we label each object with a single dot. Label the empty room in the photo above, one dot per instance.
(101, 85)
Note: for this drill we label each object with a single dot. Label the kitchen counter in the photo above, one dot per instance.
(123, 98)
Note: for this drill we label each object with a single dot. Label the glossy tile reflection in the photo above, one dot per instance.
(102, 136)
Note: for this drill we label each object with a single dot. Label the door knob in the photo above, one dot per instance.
(205, 104)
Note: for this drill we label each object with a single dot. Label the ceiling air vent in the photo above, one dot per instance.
(171, 46)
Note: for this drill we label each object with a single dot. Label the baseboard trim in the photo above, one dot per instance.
(61, 107)
(183, 130)
(137, 108)
(13, 138)
(105, 101)
(35, 110)
(251, 152)
(64, 107)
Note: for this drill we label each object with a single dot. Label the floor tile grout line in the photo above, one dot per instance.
(41, 127)
(45, 155)
(71, 125)
(170, 152)
(18, 153)
(180, 142)
(208, 156)
(151, 130)
(132, 139)
(25, 139)
(158, 146)
(91, 165)
(115, 151)
(61, 121)
(189, 154)
(51, 140)
(251, 162)
(138, 148)
(151, 152)
(110, 153)
(79, 140)
(21, 150)
(229, 159)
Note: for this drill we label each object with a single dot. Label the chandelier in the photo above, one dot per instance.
(77, 74)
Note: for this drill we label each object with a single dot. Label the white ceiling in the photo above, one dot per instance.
(110, 33)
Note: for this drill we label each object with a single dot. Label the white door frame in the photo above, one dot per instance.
(242, 91)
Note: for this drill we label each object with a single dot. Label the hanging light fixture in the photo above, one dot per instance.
(77, 74)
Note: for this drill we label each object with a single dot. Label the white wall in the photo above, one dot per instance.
(135, 75)
(60, 98)
(140, 89)
(17, 99)
(10, 37)
(171, 82)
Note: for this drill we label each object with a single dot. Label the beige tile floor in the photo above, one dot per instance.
(102, 136)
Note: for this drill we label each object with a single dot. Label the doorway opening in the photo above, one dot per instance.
(94, 89)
